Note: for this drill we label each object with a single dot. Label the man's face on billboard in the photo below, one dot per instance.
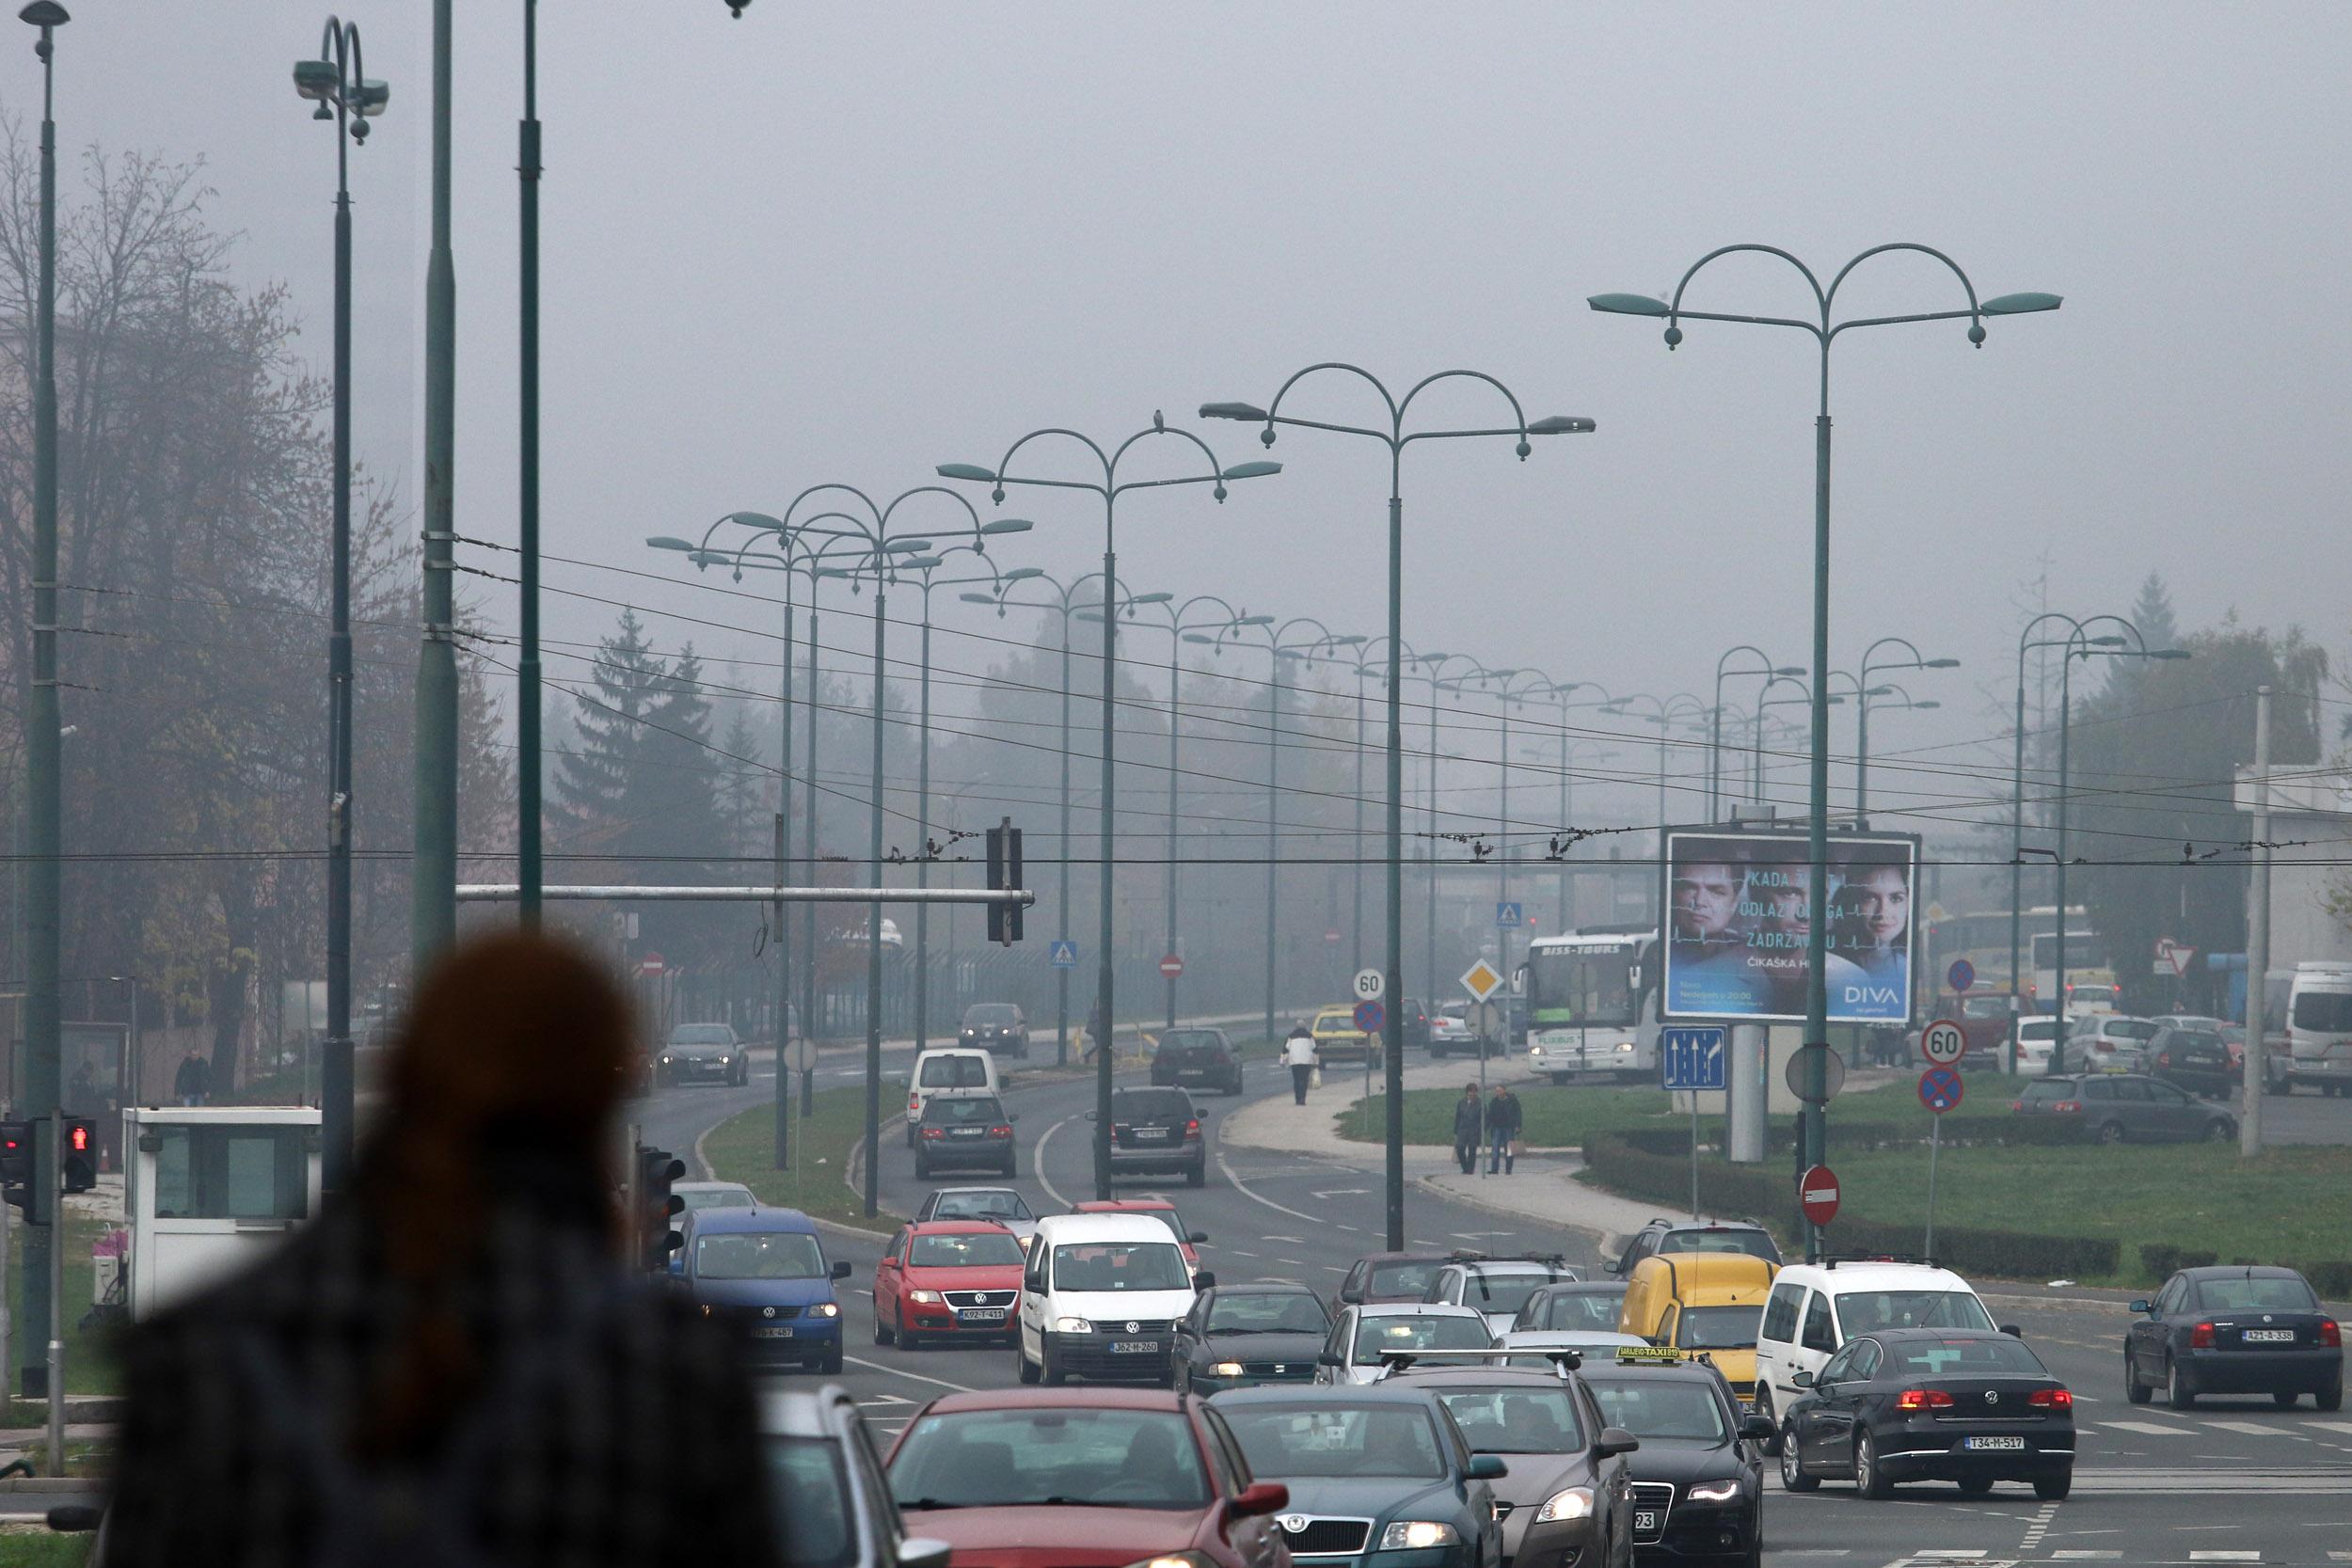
(1880, 900)
(1789, 908)
(1706, 894)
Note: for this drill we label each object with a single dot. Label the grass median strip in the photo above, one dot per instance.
(742, 1149)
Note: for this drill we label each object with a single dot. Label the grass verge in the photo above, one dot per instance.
(37, 1548)
(742, 1149)
(90, 1362)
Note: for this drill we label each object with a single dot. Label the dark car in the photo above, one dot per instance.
(995, 1026)
(1395, 1276)
(1594, 1305)
(1028, 1478)
(1381, 1470)
(764, 1271)
(2197, 1060)
(1157, 1130)
(2234, 1330)
(1568, 1499)
(1237, 1335)
(703, 1053)
(2127, 1107)
(959, 1131)
(1197, 1058)
(1698, 1477)
(1969, 1405)
(1675, 1236)
(1413, 1013)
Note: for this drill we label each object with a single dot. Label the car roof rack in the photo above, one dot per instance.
(1549, 1260)
(1831, 1259)
(1562, 1358)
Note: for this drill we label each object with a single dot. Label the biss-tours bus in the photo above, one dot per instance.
(1983, 939)
(1592, 1003)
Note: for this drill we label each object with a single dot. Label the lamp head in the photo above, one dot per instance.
(1249, 411)
(1198, 637)
(1943, 665)
(1786, 670)
(44, 13)
(966, 470)
(312, 79)
(374, 95)
(1352, 640)
(1629, 305)
(2019, 305)
(905, 547)
(1929, 703)
(1253, 621)
(668, 542)
(1007, 525)
(2109, 641)
(2171, 653)
(1562, 424)
(978, 598)
(1149, 598)
(1252, 470)
(1023, 574)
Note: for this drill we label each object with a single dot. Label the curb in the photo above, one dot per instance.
(54, 1483)
(834, 1226)
(1600, 1236)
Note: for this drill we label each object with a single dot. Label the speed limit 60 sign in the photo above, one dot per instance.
(1942, 1043)
(1370, 985)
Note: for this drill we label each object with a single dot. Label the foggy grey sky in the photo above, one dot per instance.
(851, 242)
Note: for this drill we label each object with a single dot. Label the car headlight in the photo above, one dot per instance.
(725, 1060)
(1073, 1326)
(1625, 1045)
(828, 1310)
(1226, 1368)
(665, 1058)
(1714, 1491)
(1575, 1502)
(1413, 1535)
(924, 1298)
(1177, 1559)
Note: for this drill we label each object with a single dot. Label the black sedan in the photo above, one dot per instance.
(1968, 1406)
(1157, 1130)
(995, 1027)
(960, 1132)
(2234, 1330)
(1238, 1335)
(703, 1053)
(1698, 1476)
(1197, 1058)
(2197, 1060)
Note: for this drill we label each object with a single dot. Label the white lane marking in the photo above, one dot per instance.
(2254, 1428)
(1358, 1229)
(2332, 1426)
(1342, 1192)
(2225, 1557)
(2149, 1429)
(1037, 1162)
(1236, 1252)
(1952, 1554)
(1424, 1241)
(1293, 1262)
(901, 1371)
(2037, 1528)
(2083, 1557)
(1241, 1187)
(1294, 1241)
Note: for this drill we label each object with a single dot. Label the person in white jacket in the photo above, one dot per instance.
(1298, 1054)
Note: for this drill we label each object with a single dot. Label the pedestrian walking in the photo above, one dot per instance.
(1469, 1127)
(193, 1084)
(1503, 1117)
(453, 1364)
(1298, 1054)
(1098, 1031)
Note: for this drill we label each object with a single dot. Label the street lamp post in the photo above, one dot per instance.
(2026, 644)
(1764, 699)
(1864, 703)
(1110, 488)
(1431, 669)
(1825, 332)
(1666, 708)
(1869, 667)
(1396, 437)
(338, 84)
(1715, 717)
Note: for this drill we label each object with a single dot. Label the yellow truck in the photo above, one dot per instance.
(1709, 1302)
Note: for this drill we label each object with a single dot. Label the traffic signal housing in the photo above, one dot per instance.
(657, 1206)
(16, 1165)
(25, 1174)
(80, 1163)
(1003, 874)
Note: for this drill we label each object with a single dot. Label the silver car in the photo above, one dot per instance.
(1362, 1340)
(1005, 1205)
(827, 1487)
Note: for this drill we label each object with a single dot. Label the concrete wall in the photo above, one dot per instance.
(2310, 825)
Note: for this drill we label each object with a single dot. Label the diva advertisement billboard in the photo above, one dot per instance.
(1740, 913)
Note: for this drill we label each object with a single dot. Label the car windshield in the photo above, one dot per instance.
(1190, 1040)
(2323, 1012)
(1422, 1331)
(961, 1071)
(1658, 1409)
(1581, 1309)
(995, 1203)
(2047, 1090)
(1149, 1104)
(1410, 1278)
(1500, 1292)
(702, 1033)
(1066, 1457)
(2002, 1356)
(1119, 1266)
(964, 1110)
(1718, 1327)
(1984, 1006)
(759, 1254)
(1861, 1311)
(2192, 1039)
(1752, 1243)
(2256, 1293)
(716, 1198)
(1514, 1420)
(991, 1014)
(1336, 1024)
(978, 1249)
(809, 1494)
(1292, 1441)
(1267, 1312)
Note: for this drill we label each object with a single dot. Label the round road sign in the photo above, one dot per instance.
(1369, 1017)
(1817, 1195)
(1942, 1043)
(1961, 975)
(1939, 1089)
(1171, 966)
(1370, 985)
(1799, 1069)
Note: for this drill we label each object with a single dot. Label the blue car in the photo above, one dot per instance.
(764, 1272)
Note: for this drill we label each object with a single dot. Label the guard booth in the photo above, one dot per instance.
(208, 1190)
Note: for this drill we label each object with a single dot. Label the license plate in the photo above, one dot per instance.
(2269, 1336)
(1646, 1521)
(1980, 1444)
(965, 1132)
(981, 1315)
(771, 1332)
(1146, 1134)
(1133, 1347)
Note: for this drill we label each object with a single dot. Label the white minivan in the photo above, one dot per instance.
(1101, 1297)
(1815, 1307)
(2319, 1027)
(955, 1069)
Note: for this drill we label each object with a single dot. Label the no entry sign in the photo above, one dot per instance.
(1171, 966)
(1817, 1195)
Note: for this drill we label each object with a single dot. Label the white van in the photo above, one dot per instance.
(955, 1069)
(2319, 1027)
(1815, 1307)
(1101, 1297)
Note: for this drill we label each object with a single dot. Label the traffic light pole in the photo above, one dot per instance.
(53, 1174)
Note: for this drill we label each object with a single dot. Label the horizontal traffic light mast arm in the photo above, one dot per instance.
(496, 892)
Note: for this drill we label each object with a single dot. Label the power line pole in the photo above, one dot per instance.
(2249, 1131)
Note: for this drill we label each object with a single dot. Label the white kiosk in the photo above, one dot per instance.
(210, 1189)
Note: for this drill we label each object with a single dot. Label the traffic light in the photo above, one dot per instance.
(16, 1165)
(657, 1205)
(80, 1154)
(1003, 873)
(24, 1179)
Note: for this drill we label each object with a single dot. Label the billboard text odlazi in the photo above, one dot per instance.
(1738, 913)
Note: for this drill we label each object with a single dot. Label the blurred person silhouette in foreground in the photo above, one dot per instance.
(453, 1365)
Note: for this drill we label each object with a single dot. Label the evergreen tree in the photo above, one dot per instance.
(2151, 612)
(742, 787)
(596, 780)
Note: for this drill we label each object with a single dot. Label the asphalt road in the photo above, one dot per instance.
(2234, 1480)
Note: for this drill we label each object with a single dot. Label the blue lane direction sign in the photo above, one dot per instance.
(1369, 1017)
(1939, 1089)
(1693, 1058)
(1063, 954)
(1961, 975)
(1508, 916)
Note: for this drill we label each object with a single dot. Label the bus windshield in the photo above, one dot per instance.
(1582, 987)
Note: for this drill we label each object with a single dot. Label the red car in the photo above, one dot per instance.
(1159, 1209)
(949, 1279)
(1082, 1478)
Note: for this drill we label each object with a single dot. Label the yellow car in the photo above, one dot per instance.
(1338, 1038)
(1702, 1301)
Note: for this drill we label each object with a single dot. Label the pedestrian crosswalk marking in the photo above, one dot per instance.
(2332, 1426)
(2149, 1429)
(2225, 1557)
(2078, 1554)
(2252, 1429)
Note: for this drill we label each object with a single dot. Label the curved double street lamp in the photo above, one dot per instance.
(1766, 668)
(1110, 488)
(1825, 329)
(1870, 668)
(1394, 436)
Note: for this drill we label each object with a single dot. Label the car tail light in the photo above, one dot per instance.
(1000, 1132)
(2016, 1104)
(2071, 1107)
(932, 1132)
(2200, 1337)
(1192, 1127)
(2329, 1335)
(915, 1106)
(1923, 1399)
(2051, 1399)
(2164, 1060)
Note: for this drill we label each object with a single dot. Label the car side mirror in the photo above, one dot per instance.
(1327, 1358)
(1257, 1498)
(1204, 1281)
(1197, 1238)
(2147, 1307)
(1485, 1467)
(1012, 1116)
(1090, 1116)
(1611, 1259)
(922, 1551)
(1802, 1380)
(1615, 1441)
(841, 1271)
(2013, 1331)
(1758, 1429)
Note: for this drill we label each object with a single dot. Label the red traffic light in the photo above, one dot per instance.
(77, 1138)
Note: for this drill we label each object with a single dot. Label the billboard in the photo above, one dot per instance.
(1738, 914)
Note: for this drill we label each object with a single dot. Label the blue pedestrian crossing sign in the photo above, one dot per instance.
(1693, 1058)
(1507, 917)
(1063, 954)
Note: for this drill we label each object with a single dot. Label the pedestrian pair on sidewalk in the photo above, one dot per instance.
(1493, 1122)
